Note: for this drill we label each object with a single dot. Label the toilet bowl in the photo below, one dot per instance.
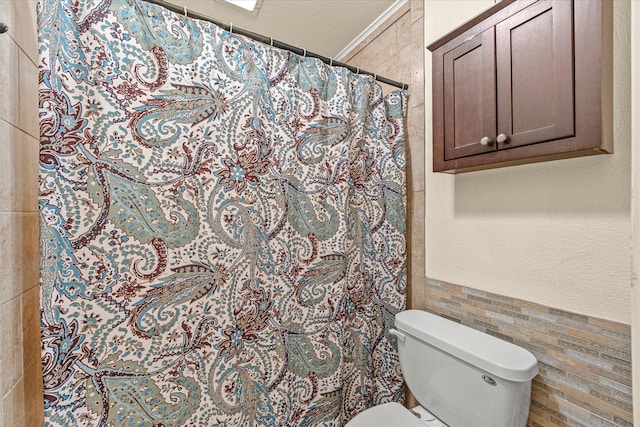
(462, 376)
(393, 414)
(386, 415)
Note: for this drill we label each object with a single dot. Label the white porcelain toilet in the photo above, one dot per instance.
(462, 376)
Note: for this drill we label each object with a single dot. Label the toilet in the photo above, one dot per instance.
(460, 376)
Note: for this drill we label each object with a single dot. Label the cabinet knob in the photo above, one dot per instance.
(486, 141)
(502, 138)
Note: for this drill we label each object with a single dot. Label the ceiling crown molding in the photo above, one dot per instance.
(399, 4)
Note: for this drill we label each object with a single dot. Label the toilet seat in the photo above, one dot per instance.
(385, 415)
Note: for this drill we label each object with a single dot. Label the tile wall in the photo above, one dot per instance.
(396, 51)
(585, 362)
(21, 379)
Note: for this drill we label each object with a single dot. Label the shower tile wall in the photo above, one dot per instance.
(585, 362)
(21, 380)
(396, 51)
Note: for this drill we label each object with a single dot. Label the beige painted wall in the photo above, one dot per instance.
(21, 398)
(555, 233)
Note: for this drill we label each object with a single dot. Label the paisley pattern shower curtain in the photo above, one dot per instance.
(222, 226)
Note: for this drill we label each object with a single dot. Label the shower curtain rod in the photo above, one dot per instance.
(276, 43)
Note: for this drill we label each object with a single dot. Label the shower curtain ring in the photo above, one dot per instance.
(304, 52)
(186, 12)
(331, 62)
(271, 41)
(357, 70)
(231, 28)
(375, 77)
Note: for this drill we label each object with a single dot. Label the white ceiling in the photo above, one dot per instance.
(324, 27)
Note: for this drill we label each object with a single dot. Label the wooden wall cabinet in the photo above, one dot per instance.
(526, 81)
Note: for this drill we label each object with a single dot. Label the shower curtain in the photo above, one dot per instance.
(222, 226)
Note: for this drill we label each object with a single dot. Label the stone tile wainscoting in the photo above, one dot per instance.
(585, 362)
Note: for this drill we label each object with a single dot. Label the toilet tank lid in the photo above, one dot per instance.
(500, 358)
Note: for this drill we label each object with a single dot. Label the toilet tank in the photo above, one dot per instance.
(463, 376)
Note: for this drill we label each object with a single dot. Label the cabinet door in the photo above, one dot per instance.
(535, 83)
(470, 97)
